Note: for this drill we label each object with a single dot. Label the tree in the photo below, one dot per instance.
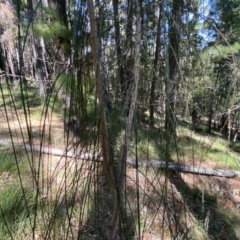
(38, 51)
(173, 61)
(8, 35)
(155, 66)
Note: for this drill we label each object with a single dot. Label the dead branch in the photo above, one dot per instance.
(52, 151)
(185, 168)
(130, 161)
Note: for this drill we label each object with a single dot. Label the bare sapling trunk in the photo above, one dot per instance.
(118, 45)
(96, 60)
(154, 78)
(129, 120)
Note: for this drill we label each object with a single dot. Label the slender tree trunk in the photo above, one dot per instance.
(2, 58)
(39, 67)
(173, 55)
(127, 78)
(155, 64)
(211, 110)
(5, 62)
(44, 57)
(210, 114)
(125, 145)
(11, 65)
(118, 45)
(96, 61)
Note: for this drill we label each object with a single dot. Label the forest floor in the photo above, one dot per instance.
(208, 206)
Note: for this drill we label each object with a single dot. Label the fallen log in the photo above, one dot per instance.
(131, 161)
(185, 168)
(52, 151)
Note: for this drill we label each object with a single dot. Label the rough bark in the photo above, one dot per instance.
(118, 45)
(127, 77)
(155, 64)
(7, 40)
(173, 58)
(96, 60)
(39, 67)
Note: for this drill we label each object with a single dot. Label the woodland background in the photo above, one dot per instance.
(92, 92)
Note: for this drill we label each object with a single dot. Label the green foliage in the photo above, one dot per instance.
(72, 83)
(220, 51)
(63, 81)
(229, 18)
(54, 32)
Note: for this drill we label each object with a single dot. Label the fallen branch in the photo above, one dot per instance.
(52, 151)
(185, 168)
(131, 161)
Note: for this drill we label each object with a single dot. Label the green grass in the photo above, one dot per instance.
(16, 200)
(232, 218)
(189, 145)
(8, 163)
(13, 96)
(15, 208)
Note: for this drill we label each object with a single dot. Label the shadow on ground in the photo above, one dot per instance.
(205, 208)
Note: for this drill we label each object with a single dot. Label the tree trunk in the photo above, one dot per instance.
(127, 79)
(2, 58)
(173, 58)
(118, 46)
(38, 66)
(96, 61)
(155, 63)
(210, 115)
(125, 145)
(11, 64)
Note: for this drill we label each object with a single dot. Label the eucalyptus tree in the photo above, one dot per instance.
(8, 36)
